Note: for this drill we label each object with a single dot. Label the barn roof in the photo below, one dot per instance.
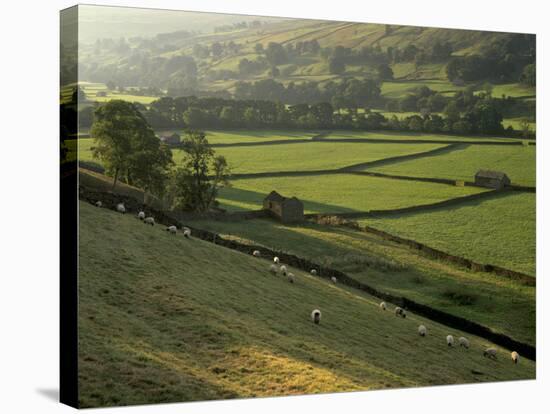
(491, 174)
(275, 196)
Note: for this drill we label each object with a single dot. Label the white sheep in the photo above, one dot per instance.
(450, 340)
(422, 330)
(382, 305)
(149, 220)
(283, 270)
(273, 269)
(290, 277)
(256, 253)
(187, 232)
(276, 260)
(120, 208)
(316, 316)
(490, 353)
(515, 357)
(98, 204)
(172, 229)
(141, 215)
(313, 272)
(333, 279)
(400, 312)
(464, 342)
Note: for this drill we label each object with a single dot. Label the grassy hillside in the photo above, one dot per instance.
(161, 320)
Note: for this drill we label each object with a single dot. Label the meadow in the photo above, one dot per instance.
(518, 162)
(161, 320)
(339, 193)
(400, 135)
(499, 231)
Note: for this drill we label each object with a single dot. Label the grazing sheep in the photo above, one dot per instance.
(400, 312)
(515, 357)
(313, 272)
(450, 340)
(141, 215)
(120, 208)
(149, 220)
(316, 316)
(422, 330)
(98, 204)
(273, 269)
(282, 269)
(256, 253)
(172, 229)
(382, 305)
(276, 260)
(334, 280)
(490, 353)
(290, 277)
(464, 342)
(187, 232)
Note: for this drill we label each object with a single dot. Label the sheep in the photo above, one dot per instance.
(187, 232)
(515, 357)
(141, 215)
(464, 342)
(98, 204)
(316, 316)
(450, 340)
(149, 220)
(490, 353)
(120, 208)
(256, 253)
(422, 330)
(333, 279)
(282, 269)
(276, 260)
(313, 272)
(382, 305)
(273, 269)
(290, 277)
(400, 312)
(172, 229)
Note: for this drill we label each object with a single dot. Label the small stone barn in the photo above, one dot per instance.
(288, 210)
(491, 179)
(170, 139)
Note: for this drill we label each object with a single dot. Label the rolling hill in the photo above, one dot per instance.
(163, 318)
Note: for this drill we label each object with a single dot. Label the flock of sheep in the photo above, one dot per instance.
(277, 268)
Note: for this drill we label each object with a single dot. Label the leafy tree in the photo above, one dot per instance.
(276, 54)
(336, 66)
(384, 72)
(529, 75)
(216, 49)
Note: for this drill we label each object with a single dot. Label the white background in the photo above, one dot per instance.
(29, 234)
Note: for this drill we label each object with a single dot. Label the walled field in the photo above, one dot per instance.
(519, 162)
(161, 320)
(340, 193)
(499, 231)
(391, 135)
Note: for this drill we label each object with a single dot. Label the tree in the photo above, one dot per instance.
(216, 50)
(126, 144)
(529, 75)
(384, 72)
(192, 188)
(276, 54)
(336, 66)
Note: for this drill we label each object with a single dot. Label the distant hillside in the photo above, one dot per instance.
(163, 318)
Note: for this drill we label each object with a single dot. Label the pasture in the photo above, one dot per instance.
(518, 161)
(399, 135)
(163, 319)
(339, 193)
(499, 231)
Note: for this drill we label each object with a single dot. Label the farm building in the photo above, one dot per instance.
(170, 139)
(491, 179)
(288, 210)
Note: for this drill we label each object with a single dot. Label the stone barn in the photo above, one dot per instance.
(288, 210)
(492, 179)
(170, 139)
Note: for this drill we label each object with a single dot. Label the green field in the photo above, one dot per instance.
(91, 90)
(339, 193)
(312, 155)
(499, 303)
(514, 90)
(399, 135)
(246, 135)
(519, 162)
(500, 231)
(160, 320)
(399, 89)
